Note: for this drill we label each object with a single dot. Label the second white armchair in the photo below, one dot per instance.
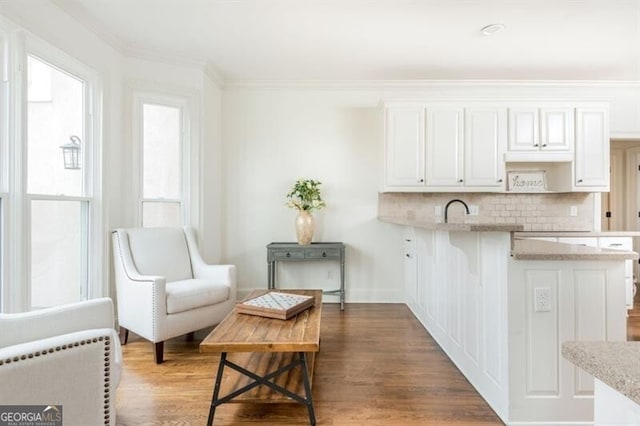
(164, 288)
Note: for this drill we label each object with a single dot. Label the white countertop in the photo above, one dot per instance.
(578, 234)
(440, 226)
(529, 249)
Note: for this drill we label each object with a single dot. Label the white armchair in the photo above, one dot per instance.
(164, 287)
(66, 355)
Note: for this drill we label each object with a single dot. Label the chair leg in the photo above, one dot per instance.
(125, 338)
(190, 336)
(158, 349)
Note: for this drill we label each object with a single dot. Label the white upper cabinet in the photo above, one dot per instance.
(592, 149)
(484, 145)
(467, 146)
(538, 132)
(445, 145)
(404, 146)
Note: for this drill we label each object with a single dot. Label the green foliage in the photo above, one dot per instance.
(305, 195)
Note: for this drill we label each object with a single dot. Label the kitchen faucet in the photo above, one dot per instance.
(446, 208)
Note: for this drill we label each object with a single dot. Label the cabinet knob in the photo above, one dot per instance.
(579, 180)
(536, 145)
(421, 181)
(499, 180)
(288, 254)
(408, 255)
(460, 180)
(544, 144)
(324, 254)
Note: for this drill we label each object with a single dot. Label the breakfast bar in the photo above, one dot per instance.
(501, 307)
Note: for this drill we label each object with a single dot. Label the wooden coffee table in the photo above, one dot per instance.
(261, 355)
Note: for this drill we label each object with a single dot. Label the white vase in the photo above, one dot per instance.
(305, 226)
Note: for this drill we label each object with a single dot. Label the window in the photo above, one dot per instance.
(161, 128)
(50, 219)
(57, 199)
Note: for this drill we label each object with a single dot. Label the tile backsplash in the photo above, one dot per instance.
(536, 212)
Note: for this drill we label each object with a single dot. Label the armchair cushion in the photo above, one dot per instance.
(190, 294)
(161, 252)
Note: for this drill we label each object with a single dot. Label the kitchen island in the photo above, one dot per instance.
(500, 307)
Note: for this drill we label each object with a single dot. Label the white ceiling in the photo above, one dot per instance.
(246, 40)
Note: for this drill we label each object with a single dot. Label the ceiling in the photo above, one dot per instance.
(356, 40)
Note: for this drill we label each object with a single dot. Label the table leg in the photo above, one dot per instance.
(216, 389)
(307, 388)
(272, 275)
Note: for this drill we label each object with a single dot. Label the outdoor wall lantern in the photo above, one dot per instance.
(71, 153)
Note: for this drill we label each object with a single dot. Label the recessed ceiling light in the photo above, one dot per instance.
(491, 29)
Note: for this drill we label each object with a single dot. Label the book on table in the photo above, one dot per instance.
(276, 305)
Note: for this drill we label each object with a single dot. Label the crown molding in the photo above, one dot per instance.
(422, 84)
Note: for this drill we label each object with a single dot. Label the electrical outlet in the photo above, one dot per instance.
(573, 211)
(474, 210)
(542, 299)
(437, 211)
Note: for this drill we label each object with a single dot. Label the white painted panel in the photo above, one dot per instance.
(493, 283)
(542, 347)
(457, 268)
(426, 244)
(441, 278)
(591, 317)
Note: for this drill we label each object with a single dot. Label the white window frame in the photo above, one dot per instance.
(140, 98)
(16, 291)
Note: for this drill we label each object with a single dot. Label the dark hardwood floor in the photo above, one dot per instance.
(377, 366)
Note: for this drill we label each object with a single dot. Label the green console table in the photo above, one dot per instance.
(294, 252)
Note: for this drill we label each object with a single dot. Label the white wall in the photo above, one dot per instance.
(273, 137)
(211, 172)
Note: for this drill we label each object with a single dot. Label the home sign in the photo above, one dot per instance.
(526, 181)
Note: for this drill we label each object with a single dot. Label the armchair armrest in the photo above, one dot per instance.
(28, 326)
(77, 370)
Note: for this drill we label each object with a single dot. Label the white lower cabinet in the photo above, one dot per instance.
(502, 321)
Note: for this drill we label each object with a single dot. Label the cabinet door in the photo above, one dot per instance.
(484, 147)
(404, 147)
(444, 146)
(592, 149)
(556, 129)
(523, 129)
